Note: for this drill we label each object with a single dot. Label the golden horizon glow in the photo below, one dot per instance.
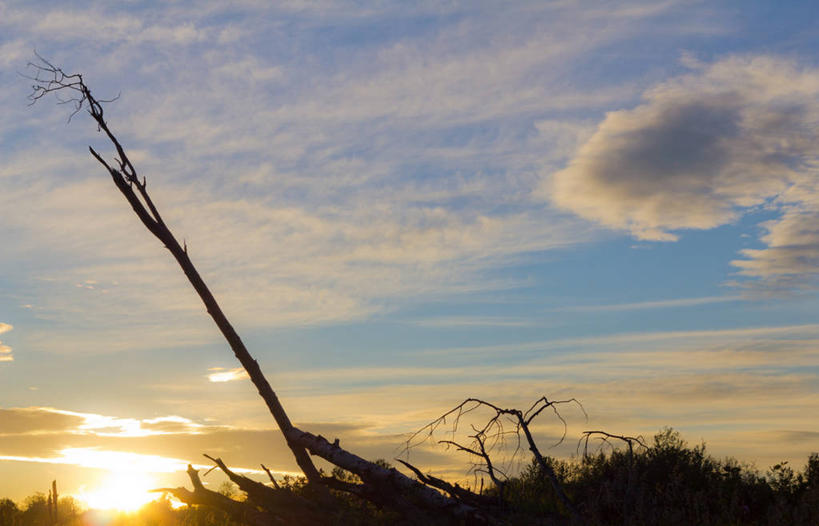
(121, 461)
(125, 491)
(127, 462)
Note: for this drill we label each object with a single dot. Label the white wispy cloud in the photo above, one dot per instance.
(617, 340)
(657, 304)
(695, 352)
(5, 350)
(221, 375)
(473, 321)
(294, 218)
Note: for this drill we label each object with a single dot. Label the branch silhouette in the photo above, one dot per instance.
(51, 79)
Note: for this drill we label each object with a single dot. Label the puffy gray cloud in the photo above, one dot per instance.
(700, 151)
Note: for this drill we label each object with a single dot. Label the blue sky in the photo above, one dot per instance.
(400, 206)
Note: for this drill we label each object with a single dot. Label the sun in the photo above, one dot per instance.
(122, 491)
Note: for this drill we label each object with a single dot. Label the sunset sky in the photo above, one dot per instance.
(400, 205)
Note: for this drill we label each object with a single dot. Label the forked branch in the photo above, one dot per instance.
(605, 438)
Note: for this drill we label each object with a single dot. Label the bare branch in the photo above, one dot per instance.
(605, 439)
(270, 476)
(238, 511)
(493, 434)
(456, 491)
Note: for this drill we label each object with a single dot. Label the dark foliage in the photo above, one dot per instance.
(671, 483)
(34, 512)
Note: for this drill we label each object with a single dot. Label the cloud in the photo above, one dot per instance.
(63, 25)
(35, 420)
(472, 321)
(43, 420)
(417, 185)
(656, 304)
(699, 150)
(13, 52)
(5, 350)
(221, 375)
(791, 256)
(630, 340)
(702, 150)
(60, 437)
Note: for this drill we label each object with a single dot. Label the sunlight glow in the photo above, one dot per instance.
(121, 491)
(120, 461)
(125, 462)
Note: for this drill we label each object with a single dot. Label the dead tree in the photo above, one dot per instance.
(238, 511)
(502, 425)
(51, 79)
(385, 486)
(264, 505)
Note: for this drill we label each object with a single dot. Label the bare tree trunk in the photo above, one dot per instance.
(150, 217)
(135, 192)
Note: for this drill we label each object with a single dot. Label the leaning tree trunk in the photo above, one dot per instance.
(135, 192)
(380, 485)
(126, 179)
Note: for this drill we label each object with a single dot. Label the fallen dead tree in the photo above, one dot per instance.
(425, 499)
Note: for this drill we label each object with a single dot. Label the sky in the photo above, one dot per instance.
(399, 206)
